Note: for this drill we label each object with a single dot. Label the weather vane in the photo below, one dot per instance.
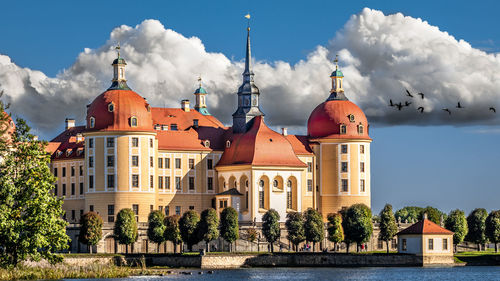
(199, 80)
(248, 18)
(118, 49)
(336, 61)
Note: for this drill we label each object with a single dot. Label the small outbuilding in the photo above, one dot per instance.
(428, 240)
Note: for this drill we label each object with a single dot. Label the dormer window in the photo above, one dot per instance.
(111, 107)
(173, 127)
(360, 128)
(157, 127)
(68, 153)
(195, 122)
(91, 122)
(133, 121)
(228, 144)
(343, 129)
(148, 107)
(164, 127)
(351, 118)
(58, 153)
(207, 143)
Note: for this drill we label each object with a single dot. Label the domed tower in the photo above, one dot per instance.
(338, 131)
(201, 99)
(119, 150)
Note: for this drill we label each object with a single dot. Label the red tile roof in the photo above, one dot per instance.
(65, 145)
(300, 144)
(424, 227)
(260, 146)
(183, 119)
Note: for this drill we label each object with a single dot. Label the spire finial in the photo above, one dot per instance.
(336, 61)
(117, 48)
(247, 16)
(199, 80)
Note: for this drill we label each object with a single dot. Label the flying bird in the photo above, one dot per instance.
(390, 103)
(447, 110)
(399, 106)
(421, 109)
(407, 103)
(408, 93)
(493, 109)
(459, 105)
(421, 95)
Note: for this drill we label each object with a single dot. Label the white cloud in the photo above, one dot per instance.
(380, 55)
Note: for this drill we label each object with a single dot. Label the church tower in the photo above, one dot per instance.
(248, 96)
(201, 99)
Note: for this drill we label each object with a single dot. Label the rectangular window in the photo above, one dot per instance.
(191, 207)
(135, 142)
(160, 163)
(394, 244)
(177, 210)
(81, 188)
(73, 215)
(111, 213)
(191, 183)
(177, 163)
(135, 181)
(135, 161)
(111, 181)
(309, 185)
(431, 244)
(91, 143)
(135, 209)
(81, 213)
(362, 167)
(362, 149)
(210, 183)
(167, 163)
(64, 189)
(210, 164)
(151, 182)
(173, 127)
(362, 185)
(167, 183)
(191, 163)
(151, 208)
(345, 185)
(380, 244)
(64, 172)
(91, 208)
(73, 189)
(151, 162)
(91, 162)
(111, 161)
(81, 170)
(344, 167)
(167, 211)
(150, 142)
(55, 172)
(110, 142)
(403, 247)
(309, 167)
(160, 208)
(160, 182)
(55, 189)
(445, 244)
(72, 171)
(91, 181)
(177, 183)
(343, 148)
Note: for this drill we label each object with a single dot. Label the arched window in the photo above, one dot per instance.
(343, 129)
(340, 83)
(360, 129)
(133, 121)
(289, 194)
(228, 144)
(275, 183)
(91, 122)
(261, 194)
(246, 183)
(207, 143)
(111, 107)
(235, 184)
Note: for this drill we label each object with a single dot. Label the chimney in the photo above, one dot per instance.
(284, 131)
(185, 105)
(195, 123)
(70, 123)
(425, 216)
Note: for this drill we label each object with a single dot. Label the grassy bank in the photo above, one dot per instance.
(478, 258)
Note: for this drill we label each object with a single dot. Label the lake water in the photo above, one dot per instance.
(482, 273)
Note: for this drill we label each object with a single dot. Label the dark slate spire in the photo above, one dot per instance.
(248, 95)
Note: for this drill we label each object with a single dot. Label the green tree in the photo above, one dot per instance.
(229, 225)
(188, 225)
(31, 224)
(313, 226)
(251, 235)
(493, 228)
(335, 229)
(156, 228)
(90, 229)
(357, 223)
(388, 227)
(408, 214)
(457, 223)
(172, 232)
(125, 230)
(295, 227)
(271, 227)
(477, 226)
(209, 226)
(433, 215)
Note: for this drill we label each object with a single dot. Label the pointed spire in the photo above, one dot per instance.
(248, 73)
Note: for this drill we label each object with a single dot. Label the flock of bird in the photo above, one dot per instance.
(421, 109)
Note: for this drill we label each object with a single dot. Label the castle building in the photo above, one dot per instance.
(132, 155)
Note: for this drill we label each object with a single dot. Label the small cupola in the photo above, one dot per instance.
(119, 81)
(337, 91)
(201, 99)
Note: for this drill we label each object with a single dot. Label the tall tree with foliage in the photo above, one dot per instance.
(125, 230)
(229, 225)
(433, 214)
(357, 223)
(313, 226)
(271, 227)
(457, 223)
(31, 224)
(156, 228)
(90, 229)
(408, 214)
(295, 227)
(172, 232)
(493, 228)
(477, 226)
(388, 227)
(188, 225)
(335, 229)
(209, 226)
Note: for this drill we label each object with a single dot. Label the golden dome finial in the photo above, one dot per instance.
(247, 16)
(336, 61)
(117, 48)
(199, 80)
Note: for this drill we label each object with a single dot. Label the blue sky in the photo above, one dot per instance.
(444, 166)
